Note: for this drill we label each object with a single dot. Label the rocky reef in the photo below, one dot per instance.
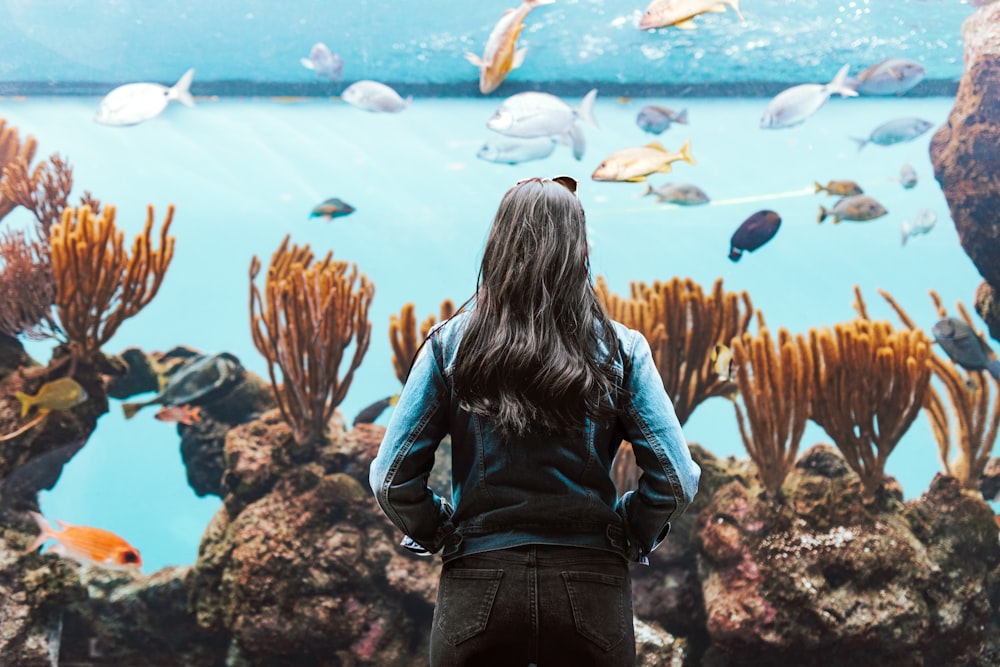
(965, 152)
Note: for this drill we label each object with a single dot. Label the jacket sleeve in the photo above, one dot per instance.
(399, 473)
(670, 476)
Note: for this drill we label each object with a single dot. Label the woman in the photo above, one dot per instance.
(537, 387)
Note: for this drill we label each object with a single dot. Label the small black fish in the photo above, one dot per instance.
(964, 347)
(371, 413)
(654, 119)
(755, 231)
(199, 381)
(331, 208)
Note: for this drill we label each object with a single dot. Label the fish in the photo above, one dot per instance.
(331, 208)
(374, 96)
(859, 208)
(536, 114)
(40, 473)
(895, 131)
(907, 177)
(514, 150)
(182, 414)
(134, 103)
(678, 13)
(893, 76)
(753, 232)
(326, 64)
(499, 55)
(369, 414)
(200, 380)
(635, 163)
(964, 346)
(61, 394)
(722, 362)
(794, 105)
(654, 119)
(685, 194)
(923, 222)
(86, 545)
(842, 188)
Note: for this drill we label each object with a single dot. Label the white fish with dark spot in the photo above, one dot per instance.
(895, 131)
(794, 105)
(536, 114)
(374, 96)
(514, 150)
(134, 103)
(923, 222)
(326, 64)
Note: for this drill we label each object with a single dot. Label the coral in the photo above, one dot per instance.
(44, 191)
(869, 384)
(682, 325)
(974, 397)
(404, 336)
(774, 387)
(98, 284)
(12, 151)
(303, 322)
(27, 286)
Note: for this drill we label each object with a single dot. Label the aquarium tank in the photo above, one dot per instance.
(226, 227)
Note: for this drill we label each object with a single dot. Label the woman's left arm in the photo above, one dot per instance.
(399, 473)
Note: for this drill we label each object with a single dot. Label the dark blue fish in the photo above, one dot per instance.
(755, 231)
(20, 489)
(369, 414)
(332, 208)
(654, 119)
(199, 381)
(964, 347)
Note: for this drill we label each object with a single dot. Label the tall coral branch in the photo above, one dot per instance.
(305, 318)
(775, 388)
(44, 191)
(405, 337)
(974, 400)
(98, 284)
(869, 383)
(27, 288)
(12, 151)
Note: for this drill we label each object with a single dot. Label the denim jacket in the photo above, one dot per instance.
(537, 490)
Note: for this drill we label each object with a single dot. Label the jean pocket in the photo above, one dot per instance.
(598, 603)
(465, 600)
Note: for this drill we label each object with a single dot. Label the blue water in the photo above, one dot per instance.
(243, 173)
(61, 45)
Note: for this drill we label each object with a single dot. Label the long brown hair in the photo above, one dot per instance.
(528, 361)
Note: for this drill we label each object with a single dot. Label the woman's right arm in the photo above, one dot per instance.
(669, 479)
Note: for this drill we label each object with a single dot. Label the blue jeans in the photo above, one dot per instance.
(534, 604)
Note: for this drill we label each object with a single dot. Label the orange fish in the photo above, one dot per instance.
(90, 546)
(182, 414)
(500, 56)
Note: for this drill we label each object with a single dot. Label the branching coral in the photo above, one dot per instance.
(302, 322)
(869, 383)
(405, 338)
(974, 397)
(27, 288)
(43, 191)
(774, 386)
(683, 325)
(12, 151)
(98, 284)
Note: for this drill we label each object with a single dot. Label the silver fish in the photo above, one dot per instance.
(535, 114)
(326, 64)
(514, 150)
(859, 208)
(964, 346)
(895, 131)
(134, 103)
(923, 222)
(794, 105)
(907, 176)
(685, 194)
(893, 76)
(655, 119)
(374, 96)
